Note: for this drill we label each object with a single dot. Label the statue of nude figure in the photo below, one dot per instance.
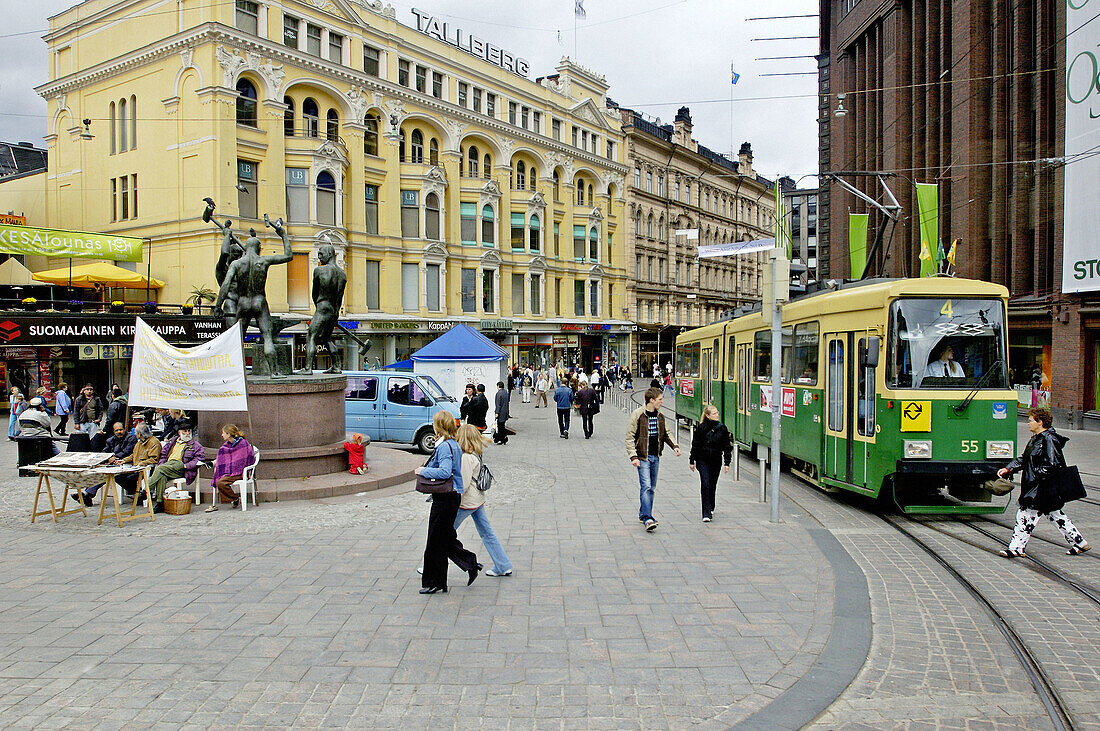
(329, 282)
(247, 278)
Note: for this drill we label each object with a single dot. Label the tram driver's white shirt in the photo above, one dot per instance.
(945, 368)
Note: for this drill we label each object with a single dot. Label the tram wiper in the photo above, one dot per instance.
(961, 406)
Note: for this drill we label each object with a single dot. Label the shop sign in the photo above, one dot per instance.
(349, 324)
(544, 340)
(573, 341)
(572, 328)
(19, 353)
(103, 328)
(395, 325)
(460, 39)
(526, 340)
(559, 340)
(440, 326)
(599, 327)
(27, 240)
(495, 325)
(88, 352)
(13, 220)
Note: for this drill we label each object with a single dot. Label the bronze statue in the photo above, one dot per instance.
(247, 279)
(231, 251)
(329, 282)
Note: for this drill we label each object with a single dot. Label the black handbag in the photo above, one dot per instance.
(1068, 485)
(433, 486)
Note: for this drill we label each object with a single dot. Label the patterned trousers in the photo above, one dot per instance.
(1025, 524)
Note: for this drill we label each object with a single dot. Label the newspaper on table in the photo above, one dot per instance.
(75, 460)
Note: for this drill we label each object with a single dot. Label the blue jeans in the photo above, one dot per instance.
(488, 537)
(647, 479)
(13, 425)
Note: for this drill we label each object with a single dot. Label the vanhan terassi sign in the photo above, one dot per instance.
(27, 240)
(460, 39)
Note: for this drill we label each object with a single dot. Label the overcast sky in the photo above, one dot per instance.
(657, 55)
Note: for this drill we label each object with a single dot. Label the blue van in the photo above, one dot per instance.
(395, 406)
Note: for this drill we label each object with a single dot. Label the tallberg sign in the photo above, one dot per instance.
(1080, 253)
(462, 40)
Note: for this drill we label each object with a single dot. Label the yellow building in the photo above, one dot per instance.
(453, 187)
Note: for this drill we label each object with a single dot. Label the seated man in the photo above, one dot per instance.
(35, 422)
(179, 457)
(146, 453)
(120, 445)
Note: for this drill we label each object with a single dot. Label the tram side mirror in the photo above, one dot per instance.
(870, 356)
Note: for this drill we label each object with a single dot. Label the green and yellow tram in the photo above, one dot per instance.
(895, 388)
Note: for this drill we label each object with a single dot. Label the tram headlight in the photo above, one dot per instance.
(999, 450)
(918, 449)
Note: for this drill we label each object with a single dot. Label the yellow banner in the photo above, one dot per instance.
(28, 240)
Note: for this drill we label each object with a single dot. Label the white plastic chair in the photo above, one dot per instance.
(180, 483)
(248, 477)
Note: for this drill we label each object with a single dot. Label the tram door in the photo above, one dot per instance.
(837, 462)
(744, 366)
(704, 374)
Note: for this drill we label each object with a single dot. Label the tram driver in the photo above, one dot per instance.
(945, 366)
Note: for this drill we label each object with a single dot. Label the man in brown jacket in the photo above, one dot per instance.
(646, 438)
(146, 454)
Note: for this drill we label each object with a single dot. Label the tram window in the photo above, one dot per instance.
(731, 372)
(762, 362)
(693, 360)
(681, 355)
(785, 363)
(836, 386)
(715, 356)
(922, 330)
(804, 363)
(866, 394)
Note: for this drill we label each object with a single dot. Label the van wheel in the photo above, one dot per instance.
(425, 441)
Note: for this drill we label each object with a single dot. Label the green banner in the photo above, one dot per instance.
(857, 242)
(928, 211)
(75, 244)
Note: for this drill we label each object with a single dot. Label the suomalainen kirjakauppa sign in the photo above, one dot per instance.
(75, 244)
(1081, 252)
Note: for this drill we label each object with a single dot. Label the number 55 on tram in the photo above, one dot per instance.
(891, 388)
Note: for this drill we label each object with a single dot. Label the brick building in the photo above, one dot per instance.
(970, 95)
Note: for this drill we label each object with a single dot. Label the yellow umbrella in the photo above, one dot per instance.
(99, 274)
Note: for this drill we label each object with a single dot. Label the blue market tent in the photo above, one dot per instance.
(461, 342)
(401, 365)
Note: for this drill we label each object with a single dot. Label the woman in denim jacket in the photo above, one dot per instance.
(443, 541)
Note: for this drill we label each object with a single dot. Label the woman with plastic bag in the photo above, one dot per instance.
(1041, 459)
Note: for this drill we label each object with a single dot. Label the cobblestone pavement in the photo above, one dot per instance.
(307, 614)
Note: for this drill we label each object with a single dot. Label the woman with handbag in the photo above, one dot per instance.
(443, 467)
(1040, 462)
(710, 446)
(472, 443)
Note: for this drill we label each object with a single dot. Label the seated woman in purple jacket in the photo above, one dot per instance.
(179, 457)
(233, 456)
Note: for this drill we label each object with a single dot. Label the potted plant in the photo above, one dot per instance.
(150, 307)
(187, 308)
(118, 306)
(74, 305)
(201, 294)
(30, 304)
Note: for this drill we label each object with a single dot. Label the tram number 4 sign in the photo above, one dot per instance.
(788, 400)
(687, 387)
(916, 416)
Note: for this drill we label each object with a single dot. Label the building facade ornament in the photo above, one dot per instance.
(491, 259)
(455, 129)
(359, 102)
(490, 193)
(435, 181)
(333, 238)
(233, 64)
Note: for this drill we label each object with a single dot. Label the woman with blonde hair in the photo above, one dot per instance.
(710, 446)
(472, 505)
(443, 543)
(233, 456)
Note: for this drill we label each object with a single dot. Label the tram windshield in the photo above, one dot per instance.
(946, 343)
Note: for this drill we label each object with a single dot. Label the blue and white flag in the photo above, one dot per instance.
(578, 9)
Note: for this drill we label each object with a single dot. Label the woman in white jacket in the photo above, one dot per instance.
(473, 442)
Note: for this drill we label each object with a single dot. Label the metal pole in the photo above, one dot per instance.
(777, 381)
(736, 463)
(763, 476)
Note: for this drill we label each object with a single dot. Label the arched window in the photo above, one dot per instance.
(401, 147)
(133, 122)
(594, 245)
(580, 192)
(557, 187)
(521, 175)
(111, 124)
(473, 161)
(532, 178)
(638, 223)
(535, 234)
(591, 198)
(370, 135)
(288, 117)
(246, 103)
(326, 198)
(433, 151)
(333, 127)
(122, 126)
(431, 216)
(487, 167)
(649, 226)
(311, 116)
(416, 147)
(488, 237)
(661, 228)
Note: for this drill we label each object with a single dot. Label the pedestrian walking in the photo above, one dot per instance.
(563, 397)
(479, 409)
(501, 404)
(710, 447)
(598, 383)
(646, 438)
(542, 388)
(588, 406)
(467, 400)
(472, 504)
(63, 405)
(16, 405)
(1041, 459)
(527, 384)
(88, 411)
(442, 542)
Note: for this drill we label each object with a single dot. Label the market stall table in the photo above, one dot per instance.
(77, 470)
